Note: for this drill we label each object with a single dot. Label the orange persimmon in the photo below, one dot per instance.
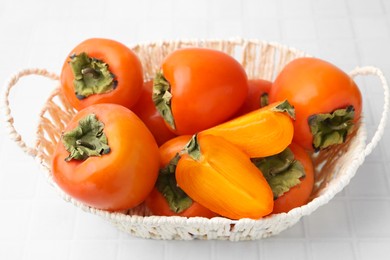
(167, 199)
(221, 177)
(263, 132)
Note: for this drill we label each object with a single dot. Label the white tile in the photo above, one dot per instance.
(97, 250)
(334, 28)
(79, 10)
(131, 11)
(184, 10)
(141, 249)
(296, 231)
(160, 10)
(226, 29)
(46, 190)
(151, 30)
(225, 251)
(373, 52)
(200, 249)
(123, 31)
(339, 52)
(330, 8)
(369, 181)
(47, 249)
(226, 10)
(291, 250)
(371, 217)
(386, 5)
(190, 29)
(52, 220)
(298, 8)
(261, 29)
(15, 181)
(259, 9)
(339, 250)
(301, 29)
(369, 8)
(309, 46)
(378, 250)
(89, 226)
(11, 249)
(15, 219)
(371, 27)
(377, 155)
(330, 220)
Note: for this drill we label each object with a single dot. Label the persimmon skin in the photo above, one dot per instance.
(147, 112)
(224, 180)
(260, 133)
(119, 180)
(314, 86)
(298, 195)
(207, 87)
(122, 62)
(256, 88)
(156, 202)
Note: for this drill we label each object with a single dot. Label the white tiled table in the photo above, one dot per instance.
(36, 224)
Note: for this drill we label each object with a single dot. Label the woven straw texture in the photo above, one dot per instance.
(334, 167)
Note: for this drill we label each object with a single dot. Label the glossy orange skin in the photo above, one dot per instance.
(156, 202)
(123, 63)
(298, 195)
(207, 87)
(147, 112)
(256, 88)
(119, 180)
(314, 86)
(224, 180)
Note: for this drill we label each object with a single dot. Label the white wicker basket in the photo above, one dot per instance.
(334, 170)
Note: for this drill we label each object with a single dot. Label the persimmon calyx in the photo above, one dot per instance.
(166, 184)
(85, 140)
(264, 100)
(162, 98)
(285, 107)
(281, 171)
(91, 76)
(331, 128)
(192, 148)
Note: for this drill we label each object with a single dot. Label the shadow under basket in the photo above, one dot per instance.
(334, 167)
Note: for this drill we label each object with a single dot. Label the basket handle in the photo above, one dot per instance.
(9, 120)
(369, 70)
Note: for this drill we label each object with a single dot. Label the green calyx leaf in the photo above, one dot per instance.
(285, 107)
(264, 101)
(91, 76)
(162, 98)
(177, 199)
(281, 171)
(85, 140)
(332, 128)
(192, 148)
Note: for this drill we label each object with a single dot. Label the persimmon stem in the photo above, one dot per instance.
(85, 144)
(91, 76)
(95, 74)
(85, 140)
(193, 148)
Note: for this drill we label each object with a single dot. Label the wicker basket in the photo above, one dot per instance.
(334, 168)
